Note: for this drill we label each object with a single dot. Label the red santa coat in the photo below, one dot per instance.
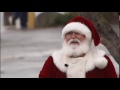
(51, 69)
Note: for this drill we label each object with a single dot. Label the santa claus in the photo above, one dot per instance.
(79, 56)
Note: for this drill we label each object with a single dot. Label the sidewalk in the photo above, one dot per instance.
(23, 53)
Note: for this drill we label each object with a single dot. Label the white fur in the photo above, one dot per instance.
(78, 27)
(101, 53)
(95, 58)
(79, 66)
(76, 68)
(101, 62)
(58, 60)
(78, 50)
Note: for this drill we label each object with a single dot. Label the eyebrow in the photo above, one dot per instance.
(74, 32)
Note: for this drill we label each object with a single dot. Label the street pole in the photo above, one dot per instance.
(31, 20)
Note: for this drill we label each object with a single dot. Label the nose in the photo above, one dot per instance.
(73, 35)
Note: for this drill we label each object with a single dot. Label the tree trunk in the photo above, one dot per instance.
(108, 37)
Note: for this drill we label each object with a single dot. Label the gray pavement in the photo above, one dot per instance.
(23, 53)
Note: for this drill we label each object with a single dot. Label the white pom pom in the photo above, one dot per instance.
(101, 62)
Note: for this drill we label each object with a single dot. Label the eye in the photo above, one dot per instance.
(69, 33)
(77, 33)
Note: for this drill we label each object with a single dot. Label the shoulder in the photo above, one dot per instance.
(47, 69)
(110, 68)
(49, 61)
(110, 64)
(109, 60)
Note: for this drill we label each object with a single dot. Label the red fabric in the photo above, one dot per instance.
(90, 25)
(49, 70)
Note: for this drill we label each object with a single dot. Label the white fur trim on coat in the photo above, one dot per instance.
(79, 66)
(78, 27)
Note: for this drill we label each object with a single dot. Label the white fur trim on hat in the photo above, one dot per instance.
(78, 27)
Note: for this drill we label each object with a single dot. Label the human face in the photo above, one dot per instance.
(74, 35)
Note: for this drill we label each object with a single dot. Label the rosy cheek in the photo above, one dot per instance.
(67, 38)
(83, 38)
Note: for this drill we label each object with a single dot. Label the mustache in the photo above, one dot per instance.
(74, 40)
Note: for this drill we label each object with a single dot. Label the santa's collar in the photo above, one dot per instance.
(91, 60)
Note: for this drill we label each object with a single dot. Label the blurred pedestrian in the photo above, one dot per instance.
(15, 16)
(23, 19)
(22, 16)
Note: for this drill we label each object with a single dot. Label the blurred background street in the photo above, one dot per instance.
(25, 49)
(24, 52)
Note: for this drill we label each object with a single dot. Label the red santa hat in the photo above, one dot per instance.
(83, 26)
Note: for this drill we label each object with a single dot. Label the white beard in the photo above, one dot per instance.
(76, 50)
